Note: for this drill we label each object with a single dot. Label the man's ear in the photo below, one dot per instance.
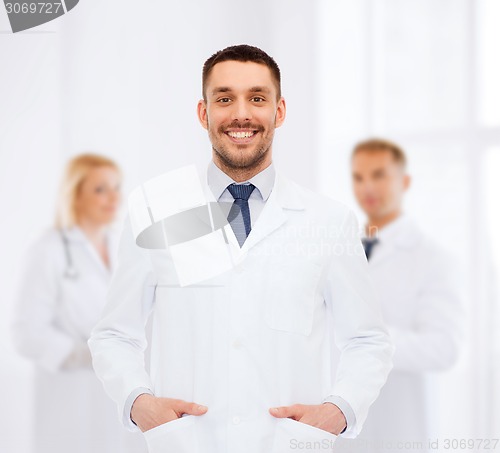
(280, 113)
(406, 182)
(202, 113)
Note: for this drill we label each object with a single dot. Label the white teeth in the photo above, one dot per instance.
(240, 134)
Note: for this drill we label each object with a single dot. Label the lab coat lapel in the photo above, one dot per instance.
(75, 234)
(402, 235)
(284, 196)
(270, 218)
(382, 251)
(228, 232)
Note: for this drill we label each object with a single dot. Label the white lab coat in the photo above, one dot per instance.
(254, 337)
(419, 287)
(54, 315)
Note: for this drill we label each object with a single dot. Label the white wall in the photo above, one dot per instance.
(30, 163)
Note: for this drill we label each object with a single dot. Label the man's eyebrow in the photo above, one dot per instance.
(255, 89)
(221, 90)
(259, 89)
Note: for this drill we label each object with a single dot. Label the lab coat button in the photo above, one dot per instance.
(237, 344)
(236, 420)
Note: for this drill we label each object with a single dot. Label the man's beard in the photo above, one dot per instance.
(245, 159)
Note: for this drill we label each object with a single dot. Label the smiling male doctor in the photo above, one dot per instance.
(241, 363)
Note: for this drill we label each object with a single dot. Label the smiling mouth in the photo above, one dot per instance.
(241, 136)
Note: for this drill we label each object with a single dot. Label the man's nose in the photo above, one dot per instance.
(363, 187)
(241, 111)
(366, 187)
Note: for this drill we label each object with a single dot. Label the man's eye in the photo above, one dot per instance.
(224, 100)
(258, 99)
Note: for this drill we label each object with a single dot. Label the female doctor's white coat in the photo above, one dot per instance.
(419, 286)
(54, 317)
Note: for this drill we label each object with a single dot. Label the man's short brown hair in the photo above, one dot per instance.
(379, 144)
(243, 53)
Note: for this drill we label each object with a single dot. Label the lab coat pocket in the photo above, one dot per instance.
(292, 287)
(177, 436)
(291, 435)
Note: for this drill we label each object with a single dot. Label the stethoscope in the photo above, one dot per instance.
(70, 272)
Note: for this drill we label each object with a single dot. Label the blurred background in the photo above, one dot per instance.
(122, 78)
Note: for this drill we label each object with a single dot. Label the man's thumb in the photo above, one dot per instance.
(193, 409)
(281, 412)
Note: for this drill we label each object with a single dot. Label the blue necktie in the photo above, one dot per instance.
(239, 215)
(368, 244)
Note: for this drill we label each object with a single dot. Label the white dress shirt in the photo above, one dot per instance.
(263, 182)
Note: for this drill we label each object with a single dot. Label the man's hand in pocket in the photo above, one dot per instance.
(326, 416)
(149, 411)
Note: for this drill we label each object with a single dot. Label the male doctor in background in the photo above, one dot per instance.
(240, 362)
(418, 285)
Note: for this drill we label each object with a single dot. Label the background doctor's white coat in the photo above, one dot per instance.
(123, 78)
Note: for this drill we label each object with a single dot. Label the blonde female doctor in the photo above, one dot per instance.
(62, 292)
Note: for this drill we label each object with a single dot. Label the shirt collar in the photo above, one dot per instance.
(218, 180)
